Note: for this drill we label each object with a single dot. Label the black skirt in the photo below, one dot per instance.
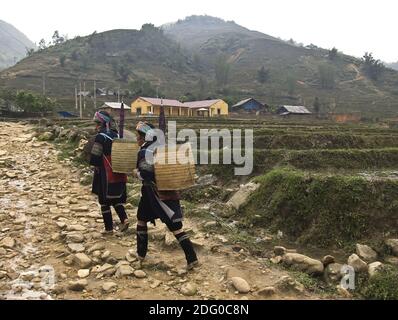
(103, 189)
(151, 207)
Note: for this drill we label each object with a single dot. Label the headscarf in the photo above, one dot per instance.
(104, 118)
(145, 128)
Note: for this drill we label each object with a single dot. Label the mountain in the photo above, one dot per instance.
(393, 65)
(194, 31)
(112, 58)
(13, 45)
(294, 72)
(205, 57)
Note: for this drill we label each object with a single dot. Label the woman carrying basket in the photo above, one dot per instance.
(155, 204)
(110, 187)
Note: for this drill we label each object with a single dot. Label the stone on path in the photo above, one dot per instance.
(240, 284)
(267, 292)
(189, 289)
(78, 285)
(7, 242)
(139, 274)
(83, 273)
(82, 260)
(303, 263)
(124, 271)
(109, 286)
(76, 247)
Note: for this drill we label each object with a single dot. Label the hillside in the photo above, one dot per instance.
(293, 70)
(113, 58)
(203, 57)
(194, 31)
(13, 45)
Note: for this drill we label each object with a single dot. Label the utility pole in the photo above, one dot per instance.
(84, 96)
(95, 95)
(76, 97)
(44, 84)
(118, 94)
(80, 99)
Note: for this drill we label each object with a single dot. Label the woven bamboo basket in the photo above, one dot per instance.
(124, 156)
(178, 174)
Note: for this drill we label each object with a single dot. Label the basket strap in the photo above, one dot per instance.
(106, 136)
(106, 159)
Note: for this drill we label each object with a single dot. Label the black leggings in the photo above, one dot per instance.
(182, 238)
(107, 214)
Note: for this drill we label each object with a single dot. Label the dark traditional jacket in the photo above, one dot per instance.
(110, 187)
(163, 205)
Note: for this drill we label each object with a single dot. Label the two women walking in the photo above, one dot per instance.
(153, 205)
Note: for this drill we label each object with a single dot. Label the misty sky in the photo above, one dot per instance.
(353, 26)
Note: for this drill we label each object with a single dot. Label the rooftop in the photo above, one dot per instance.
(297, 109)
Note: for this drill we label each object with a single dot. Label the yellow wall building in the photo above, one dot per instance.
(210, 108)
(151, 106)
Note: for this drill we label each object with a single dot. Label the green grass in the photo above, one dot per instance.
(323, 210)
(383, 285)
(313, 284)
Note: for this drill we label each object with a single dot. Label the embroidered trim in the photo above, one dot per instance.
(145, 166)
(97, 149)
(184, 237)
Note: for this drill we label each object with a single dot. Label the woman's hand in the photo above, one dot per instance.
(137, 174)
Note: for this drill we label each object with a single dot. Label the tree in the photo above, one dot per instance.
(333, 54)
(123, 72)
(31, 102)
(29, 51)
(84, 62)
(291, 84)
(57, 39)
(183, 99)
(149, 27)
(223, 69)
(317, 105)
(263, 75)
(42, 44)
(326, 76)
(75, 55)
(373, 68)
(62, 60)
(202, 85)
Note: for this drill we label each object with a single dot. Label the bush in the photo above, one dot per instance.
(372, 67)
(383, 285)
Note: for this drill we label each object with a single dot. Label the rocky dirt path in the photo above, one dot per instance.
(51, 246)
